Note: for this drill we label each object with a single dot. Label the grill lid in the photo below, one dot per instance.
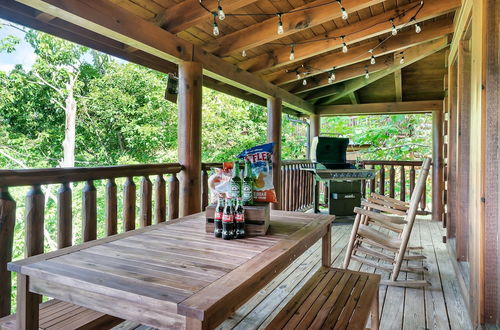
(329, 150)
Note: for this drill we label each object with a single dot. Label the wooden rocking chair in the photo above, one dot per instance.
(364, 234)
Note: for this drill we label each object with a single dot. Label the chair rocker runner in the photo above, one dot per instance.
(364, 234)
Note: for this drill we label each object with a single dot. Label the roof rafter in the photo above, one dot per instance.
(319, 12)
(356, 32)
(361, 53)
(412, 55)
(380, 108)
(136, 32)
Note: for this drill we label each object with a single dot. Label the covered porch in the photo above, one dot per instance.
(309, 59)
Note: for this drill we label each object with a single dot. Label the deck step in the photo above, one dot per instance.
(56, 314)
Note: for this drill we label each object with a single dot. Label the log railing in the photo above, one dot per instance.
(39, 182)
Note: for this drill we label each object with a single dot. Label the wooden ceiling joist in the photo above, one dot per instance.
(189, 13)
(113, 21)
(412, 55)
(355, 32)
(315, 13)
(361, 53)
(380, 108)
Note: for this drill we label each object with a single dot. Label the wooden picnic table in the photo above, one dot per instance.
(168, 275)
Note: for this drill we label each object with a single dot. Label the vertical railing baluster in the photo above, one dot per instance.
(89, 211)
(372, 181)
(7, 223)
(412, 180)
(301, 187)
(204, 188)
(173, 197)
(146, 215)
(381, 186)
(402, 191)
(290, 188)
(129, 200)
(111, 208)
(160, 200)
(423, 199)
(64, 216)
(283, 189)
(392, 174)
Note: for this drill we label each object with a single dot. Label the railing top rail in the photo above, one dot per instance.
(29, 177)
(393, 162)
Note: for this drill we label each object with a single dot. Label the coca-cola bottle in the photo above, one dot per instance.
(219, 211)
(228, 221)
(239, 219)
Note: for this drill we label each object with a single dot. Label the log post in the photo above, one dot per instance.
(274, 111)
(315, 130)
(7, 223)
(89, 212)
(173, 197)
(437, 165)
(129, 207)
(111, 208)
(146, 211)
(160, 199)
(189, 136)
(64, 216)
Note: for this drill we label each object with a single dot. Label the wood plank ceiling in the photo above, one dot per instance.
(314, 34)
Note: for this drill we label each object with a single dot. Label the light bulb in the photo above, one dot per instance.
(304, 82)
(216, 30)
(345, 15)
(298, 75)
(244, 53)
(402, 60)
(280, 25)
(292, 55)
(394, 30)
(344, 46)
(373, 61)
(367, 75)
(418, 29)
(222, 16)
(333, 76)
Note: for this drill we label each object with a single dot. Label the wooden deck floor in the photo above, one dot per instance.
(437, 307)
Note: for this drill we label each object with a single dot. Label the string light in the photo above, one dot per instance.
(304, 82)
(345, 15)
(331, 78)
(367, 73)
(298, 75)
(216, 27)
(244, 53)
(280, 25)
(394, 29)
(292, 53)
(418, 29)
(344, 45)
(220, 12)
(372, 60)
(402, 60)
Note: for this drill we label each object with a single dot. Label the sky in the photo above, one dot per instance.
(23, 55)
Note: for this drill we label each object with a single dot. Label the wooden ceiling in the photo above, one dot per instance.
(313, 32)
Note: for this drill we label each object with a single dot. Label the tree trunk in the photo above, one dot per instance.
(70, 126)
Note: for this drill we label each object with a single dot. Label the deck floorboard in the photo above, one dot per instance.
(439, 306)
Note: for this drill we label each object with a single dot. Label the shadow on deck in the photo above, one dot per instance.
(439, 306)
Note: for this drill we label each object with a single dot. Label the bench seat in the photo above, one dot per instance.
(56, 314)
(332, 298)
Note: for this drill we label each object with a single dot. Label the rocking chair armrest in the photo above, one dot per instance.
(381, 217)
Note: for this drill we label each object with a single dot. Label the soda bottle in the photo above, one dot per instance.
(248, 185)
(228, 221)
(219, 211)
(239, 219)
(236, 181)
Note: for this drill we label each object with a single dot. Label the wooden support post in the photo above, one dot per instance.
(7, 223)
(437, 165)
(189, 136)
(64, 216)
(111, 208)
(315, 130)
(274, 111)
(326, 248)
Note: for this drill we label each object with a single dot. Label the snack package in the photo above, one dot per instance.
(219, 182)
(262, 170)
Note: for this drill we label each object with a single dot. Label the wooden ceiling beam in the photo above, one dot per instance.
(357, 32)
(342, 74)
(189, 13)
(112, 21)
(361, 53)
(412, 55)
(398, 84)
(315, 13)
(354, 98)
(389, 108)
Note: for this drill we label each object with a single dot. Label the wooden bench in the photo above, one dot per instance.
(332, 298)
(56, 314)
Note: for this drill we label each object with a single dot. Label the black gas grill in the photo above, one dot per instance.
(328, 155)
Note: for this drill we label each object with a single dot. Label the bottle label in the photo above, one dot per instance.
(247, 192)
(218, 216)
(227, 218)
(235, 190)
(239, 217)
